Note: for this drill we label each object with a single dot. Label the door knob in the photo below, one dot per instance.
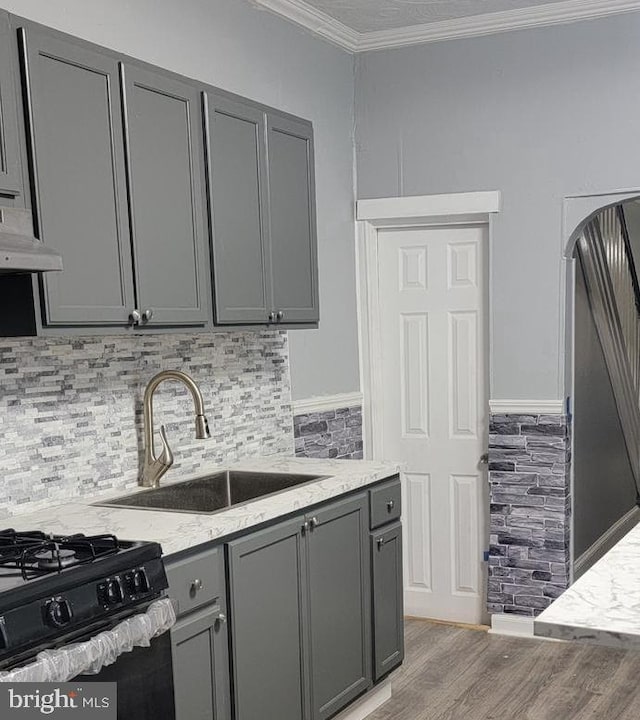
(484, 459)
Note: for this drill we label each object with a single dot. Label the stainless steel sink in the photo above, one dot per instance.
(211, 493)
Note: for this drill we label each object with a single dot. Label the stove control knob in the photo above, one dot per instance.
(58, 612)
(140, 581)
(114, 591)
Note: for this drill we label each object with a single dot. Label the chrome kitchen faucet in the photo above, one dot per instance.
(155, 467)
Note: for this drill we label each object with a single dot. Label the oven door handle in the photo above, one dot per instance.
(90, 656)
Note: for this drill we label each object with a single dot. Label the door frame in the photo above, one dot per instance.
(443, 210)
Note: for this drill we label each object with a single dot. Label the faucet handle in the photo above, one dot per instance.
(166, 456)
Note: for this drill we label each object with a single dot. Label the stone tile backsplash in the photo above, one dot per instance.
(529, 560)
(329, 434)
(71, 408)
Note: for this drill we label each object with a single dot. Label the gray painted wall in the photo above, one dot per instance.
(603, 481)
(232, 44)
(538, 114)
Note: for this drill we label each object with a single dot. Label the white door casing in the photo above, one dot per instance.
(424, 317)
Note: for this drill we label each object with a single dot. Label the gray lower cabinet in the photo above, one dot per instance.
(10, 172)
(199, 639)
(165, 161)
(78, 172)
(339, 605)
(388, 628)
(262, 200)
(269, 647)
(300, 601)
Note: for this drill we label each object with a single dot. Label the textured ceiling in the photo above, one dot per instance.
(368, 15)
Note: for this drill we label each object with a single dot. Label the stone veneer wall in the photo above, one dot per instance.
(329, 434)
(71, 408)
(529, 556)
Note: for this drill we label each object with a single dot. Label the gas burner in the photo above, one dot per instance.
(35, 553)
(55, 559)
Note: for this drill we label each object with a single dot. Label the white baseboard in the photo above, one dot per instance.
(323, 403)
(368, 703)
(517, 625)
(606, 541)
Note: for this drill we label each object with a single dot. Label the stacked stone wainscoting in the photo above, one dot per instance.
(329, 433)
(529, 556)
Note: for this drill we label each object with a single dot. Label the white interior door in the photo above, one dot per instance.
(434, 397)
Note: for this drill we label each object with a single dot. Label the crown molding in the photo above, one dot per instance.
(338, 33)
(318, 22)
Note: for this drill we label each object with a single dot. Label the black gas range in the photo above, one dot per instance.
(56, 588)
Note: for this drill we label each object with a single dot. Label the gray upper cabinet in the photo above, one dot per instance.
(75, 129)
(163, 132)
(238, 201)
(262, 200)
(339, 605)
(268, 609)
(10, 175)
(292, 219)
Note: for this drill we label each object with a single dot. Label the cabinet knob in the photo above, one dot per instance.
(390, 505)
(222, 618)
(272, 316)
(196, 586)
(305, 526)
(279, 315)
(380, 542)
(135, 317)
(147, 315)
(313, 522)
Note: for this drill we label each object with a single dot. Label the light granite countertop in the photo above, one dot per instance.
(602, 606)
(177, 531)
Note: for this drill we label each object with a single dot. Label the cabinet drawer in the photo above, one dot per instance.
(385, 503)
(196, 580)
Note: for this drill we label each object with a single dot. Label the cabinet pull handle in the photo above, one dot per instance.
(135, 317)
(390, 505)
(147, 315)
(313, 522)
(380, 542)
(197, 585)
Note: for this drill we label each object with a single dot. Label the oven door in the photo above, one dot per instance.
(144, 678)
(134, 651)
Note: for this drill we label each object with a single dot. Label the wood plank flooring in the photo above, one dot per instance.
(453, 673)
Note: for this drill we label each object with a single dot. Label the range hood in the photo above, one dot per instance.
(20, 251)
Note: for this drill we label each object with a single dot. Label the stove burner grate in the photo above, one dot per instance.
(35, 553)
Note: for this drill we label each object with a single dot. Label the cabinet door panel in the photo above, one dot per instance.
(165, 162)
(79, 176)
(388, 623)
(10, 178)
(201, 681)
(292, 219)
(339, 605)
(267, 571)
(237, 192)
